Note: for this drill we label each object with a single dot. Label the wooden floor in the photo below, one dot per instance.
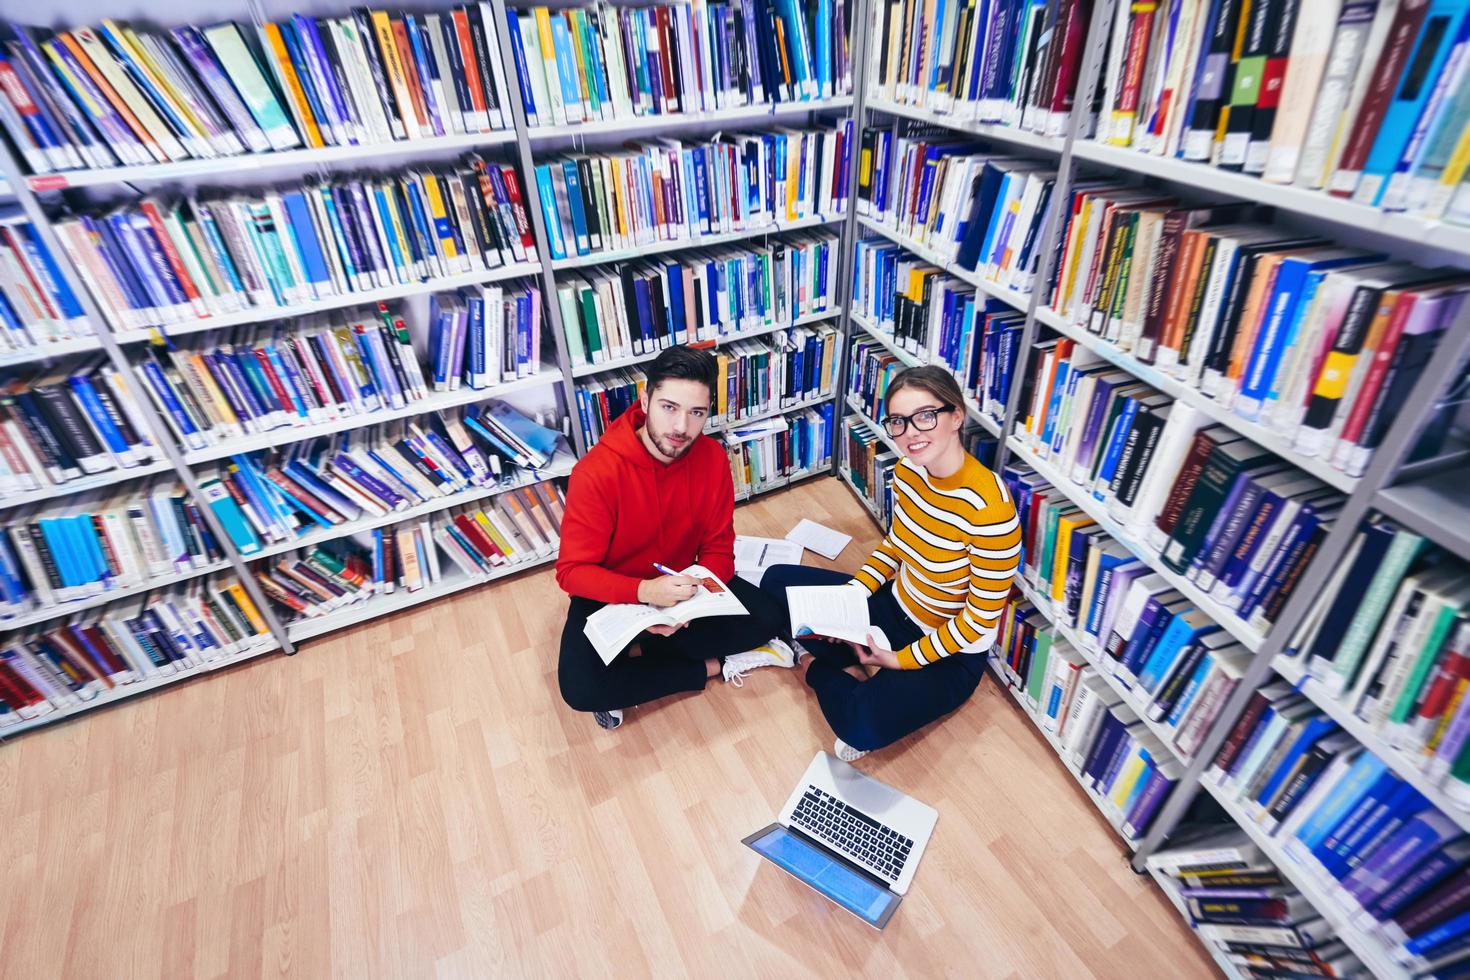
(412, 799)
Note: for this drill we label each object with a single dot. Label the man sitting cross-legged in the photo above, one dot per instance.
(655, 492)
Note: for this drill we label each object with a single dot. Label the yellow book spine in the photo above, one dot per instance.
(439, 215)
(1459, 161)
(1127, 779)
(286, 71)
(388, 47)
(206, 381)
(242, 599)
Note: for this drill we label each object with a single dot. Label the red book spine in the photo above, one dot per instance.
(518, 207)
(155, 221)
(1378, 368)
(1077, 13)
(277, 388)
(1194, 464)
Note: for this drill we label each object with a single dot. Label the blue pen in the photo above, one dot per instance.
(664, 569)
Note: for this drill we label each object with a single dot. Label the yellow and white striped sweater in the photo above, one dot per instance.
(953, 551)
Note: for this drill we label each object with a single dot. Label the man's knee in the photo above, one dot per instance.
(578, 690)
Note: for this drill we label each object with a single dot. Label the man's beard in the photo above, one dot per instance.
(666, 445)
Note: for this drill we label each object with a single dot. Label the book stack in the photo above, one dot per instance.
(278, 496)
(135, 641)
(1393, 864)
(110, 95)
(1369, 101)
(521, 526)
(939, 319)
(482, 337)
(264, 378)
(1197, 499)
(870, 367)
(670, 191)
(605, 62)
(754, 377)
(1388, 639)
(769, 453)
(1266, 322)
(1240, 905)
(1124, 768)
(867, 463)
(37, 308)
(1013, 62)
(159, 263)
(708, 296)
(64, 425)
(983, 214)
(512, 528)
(103, 541)
(1174, 666)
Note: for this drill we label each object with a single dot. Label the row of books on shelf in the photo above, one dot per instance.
(1177, 666)
(1126, 769)
(98, 542)
(166, 633)
(981, 212)
(158, 262)
(753, 377)
(606, 61)
(1369, 100)
(671, 191)
(277, 496)
(939, 319)
(338, 365)
(1393, 865)
(770, 451)
(868, 463)
(704, 297)
(1238, 901)
(1320, 344)
(512, 528)
(1389, 640)
(1013, 62)
(69, 422)
(1196, 498)
(109, 95)
(37, 307)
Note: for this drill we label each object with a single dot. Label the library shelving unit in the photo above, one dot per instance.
(37, 196)
(1426, 497)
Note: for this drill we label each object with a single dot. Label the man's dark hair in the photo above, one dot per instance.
(683, 364)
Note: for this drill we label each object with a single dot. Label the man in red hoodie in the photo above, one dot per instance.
(654, 490)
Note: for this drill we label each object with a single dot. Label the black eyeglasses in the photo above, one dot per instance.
(923, 420)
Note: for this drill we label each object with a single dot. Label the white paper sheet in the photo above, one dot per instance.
(754, 555)
(819, 538)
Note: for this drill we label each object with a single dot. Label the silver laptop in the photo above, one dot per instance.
(853, 839)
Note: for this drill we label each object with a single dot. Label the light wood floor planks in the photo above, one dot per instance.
(411, 799)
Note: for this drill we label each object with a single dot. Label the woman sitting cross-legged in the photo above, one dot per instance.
(936, 585)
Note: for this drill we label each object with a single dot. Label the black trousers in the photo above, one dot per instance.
(669, 664)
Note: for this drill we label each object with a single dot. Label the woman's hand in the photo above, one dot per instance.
(874, 654)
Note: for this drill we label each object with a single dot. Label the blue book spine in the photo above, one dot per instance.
(86, 395)
(523, 72)
(303, 235)
(566, 67)
(547, 193)
(1364, 772)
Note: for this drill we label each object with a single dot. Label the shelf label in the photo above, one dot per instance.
(48, 182)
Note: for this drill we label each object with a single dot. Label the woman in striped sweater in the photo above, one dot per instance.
(936, 586)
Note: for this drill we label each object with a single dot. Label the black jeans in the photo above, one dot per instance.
(669, 664)
(870, 714)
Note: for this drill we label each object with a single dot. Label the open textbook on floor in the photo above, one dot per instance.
(836, 611)
(614, 626)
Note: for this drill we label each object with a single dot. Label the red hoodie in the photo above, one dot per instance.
(626, 510)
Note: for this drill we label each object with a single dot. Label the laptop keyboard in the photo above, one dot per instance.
(880, 848)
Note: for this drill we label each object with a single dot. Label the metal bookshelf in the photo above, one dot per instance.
(1428, 498)
(35, 198)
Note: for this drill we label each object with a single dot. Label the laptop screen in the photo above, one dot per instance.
(846, 886)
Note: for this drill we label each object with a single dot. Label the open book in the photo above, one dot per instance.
(836, 611)
(614, 626)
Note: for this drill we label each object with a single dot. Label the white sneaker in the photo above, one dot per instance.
(775, 653)
(608, 719)
(846, 752)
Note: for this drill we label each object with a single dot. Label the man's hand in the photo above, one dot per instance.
(667, 589)
(665, 630)
(875, 655)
